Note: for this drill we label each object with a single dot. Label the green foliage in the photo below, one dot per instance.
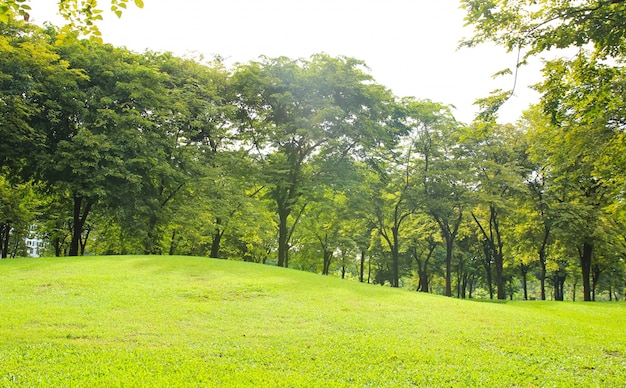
(94, 321)
(82, 15)
(549, 24)
(8, 8)
(310, 163)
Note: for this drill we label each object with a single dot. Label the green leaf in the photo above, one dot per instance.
(139, 3)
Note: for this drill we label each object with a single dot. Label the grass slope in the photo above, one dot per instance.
(182, 321)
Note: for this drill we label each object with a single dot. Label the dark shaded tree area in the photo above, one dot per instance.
(309, 164)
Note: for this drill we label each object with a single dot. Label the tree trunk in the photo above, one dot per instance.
(5, 233)
(149, 245)
(173, 243)
(328, 256)
(464, 285)
(395, 259)
(78, 222)
(542, 273)
(282, 237)
(83, 240)
(525, 283)
(448, 232)
(543, 259)
(499, 264)
(449, 246)
(585, 265)
(362, 267)
(216, 242)
(216, 239)
(487, 265)
(596, 271)
(490, 282)
(423, 280)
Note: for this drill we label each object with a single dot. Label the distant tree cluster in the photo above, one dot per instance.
(311, 164)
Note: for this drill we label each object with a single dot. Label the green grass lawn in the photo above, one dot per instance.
(183, 321)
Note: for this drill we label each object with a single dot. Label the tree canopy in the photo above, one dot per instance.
(310, 163)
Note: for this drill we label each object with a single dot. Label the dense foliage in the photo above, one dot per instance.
(579, 153)
(308, 163)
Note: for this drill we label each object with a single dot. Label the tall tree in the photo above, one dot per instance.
(295, 109)
(95, 154)
(34, 82)
(443, 166)
(496, 155)
(395, 200)
(531, 29)
(580, 147)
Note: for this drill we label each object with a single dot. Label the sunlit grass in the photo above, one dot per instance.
(181, 321)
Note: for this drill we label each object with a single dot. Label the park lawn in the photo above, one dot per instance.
(187, 321)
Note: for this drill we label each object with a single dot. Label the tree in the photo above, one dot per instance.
(579, 147)
(188, 131)
(443, 192)
(18, 206)
(81, 15)
(394, 201)
(97, 149)
(496, 155)
(34, 82)
(521, 25)
(550, 24)
(423, 249)
(293, 110)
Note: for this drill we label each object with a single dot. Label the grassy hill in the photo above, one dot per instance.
(183, 321)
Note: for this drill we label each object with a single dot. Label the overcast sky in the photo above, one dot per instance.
(410, 46)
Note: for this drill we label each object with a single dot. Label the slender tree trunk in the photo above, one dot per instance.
(493, 249)
(216, 242)
(283, 232)
(173, 243)
(78, 222)
(449, 246)
(328, 256)
(149, 245)
(464, 285)
(542, 273)
(542, 260)
(490, 282)
(448, 232)
(362, 267)
(5, 234)
(596, 271)
(83, 240)
(585, 265)
(487, 265)
(369, 272)
(395, 258)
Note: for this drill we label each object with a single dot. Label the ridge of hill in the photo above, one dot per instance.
(191, 321)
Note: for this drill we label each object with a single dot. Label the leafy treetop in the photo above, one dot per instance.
(541, 26)
(81, 15)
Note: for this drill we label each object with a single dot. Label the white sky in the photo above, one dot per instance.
(409, 45)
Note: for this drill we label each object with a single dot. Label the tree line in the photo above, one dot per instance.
(309, 163)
